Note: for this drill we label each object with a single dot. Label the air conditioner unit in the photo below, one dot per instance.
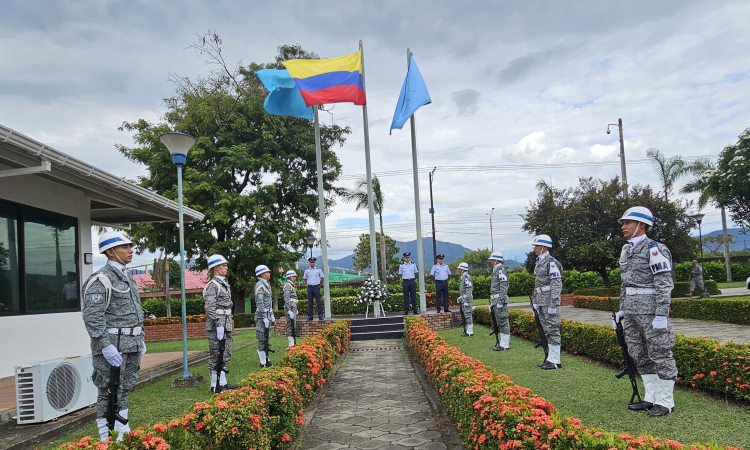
(49, 389)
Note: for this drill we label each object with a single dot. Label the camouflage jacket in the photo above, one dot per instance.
(548, 282)
(290, 298)
(636, 272)
(465, 288)
(263, 302)
(217, 295)
(499, 286)
(696, 273)
(124, 311)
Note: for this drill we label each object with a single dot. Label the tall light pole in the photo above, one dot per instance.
(178, 145)
(310, 243)
(432, 213)
(492, 239)
(622, 158)
(699, 218)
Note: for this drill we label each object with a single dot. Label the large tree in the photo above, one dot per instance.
(358, 195)
(361, 258)
(582, 222)
(732, 179)
(669, 169)
(478, 261)
(252, 174)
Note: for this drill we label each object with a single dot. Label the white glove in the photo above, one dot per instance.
(551, 310)
(112, 356)
(492, 306)
(143, 348)
(466, 305)
(266, 323)
(291, 315)
(533, 305)
(619, 315)
(660, 323)
(273, 318)
(614, 324)
(219, 333)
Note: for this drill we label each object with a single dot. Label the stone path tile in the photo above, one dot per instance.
(722, 332)
(375, 402)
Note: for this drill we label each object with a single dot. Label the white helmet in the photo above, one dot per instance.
(290, 273)
(497, 256)
(638, 214)
(463, 266)
(261, 269)
(113, 239)
(216, 260)
(543, 240)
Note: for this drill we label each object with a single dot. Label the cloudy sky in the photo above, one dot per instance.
(512, 83)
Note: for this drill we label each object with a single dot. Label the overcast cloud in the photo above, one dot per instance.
(511, 83)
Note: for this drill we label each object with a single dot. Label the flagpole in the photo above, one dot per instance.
(417, 205)
(322, 212)
(370, 208)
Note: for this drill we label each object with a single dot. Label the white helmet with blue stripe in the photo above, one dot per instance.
(261, 269)
(216, 260)
(638, 214)
(113, 239)
(543, 240)
(290, 273)
(463, 266)
(497, 256)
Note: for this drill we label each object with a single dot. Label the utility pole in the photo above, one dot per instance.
(622, 159)
(492, 239)
(167, 299)
(432, 213)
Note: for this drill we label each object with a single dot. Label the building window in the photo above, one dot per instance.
(38, 261)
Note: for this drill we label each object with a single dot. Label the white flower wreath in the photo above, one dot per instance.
(372, 291)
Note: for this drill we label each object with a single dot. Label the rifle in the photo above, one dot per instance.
(463, 316)
(540, 329)
(294, 331)
(147, 314)
(495, 328)
(219, 367)
(267, 346)
(113, 410)
(627, 365)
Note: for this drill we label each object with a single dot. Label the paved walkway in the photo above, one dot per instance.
(377, 401)
(722, 332)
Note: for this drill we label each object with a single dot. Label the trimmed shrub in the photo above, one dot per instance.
(492, 412)
(681, 289)
(158, 306)
(715, 270)
(702, 363)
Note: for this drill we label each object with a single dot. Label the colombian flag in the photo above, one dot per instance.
(334, 80)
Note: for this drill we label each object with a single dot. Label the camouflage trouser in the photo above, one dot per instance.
(467, 313)
(131, 364)
(289, 327)
(502, 316)
(650, 349)
(697, 282)
(213, 348)
(550, 324)
(260, 334)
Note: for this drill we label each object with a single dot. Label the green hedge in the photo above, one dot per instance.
(349, 305)
(158, 306)
(681, 289)
(724, 310)
(715, 270)
(702, 363)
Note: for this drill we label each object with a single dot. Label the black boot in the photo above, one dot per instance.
(659, 411)
(465, 334)
(228, 387)
(640, 406)
(498, 348)
(550, 366)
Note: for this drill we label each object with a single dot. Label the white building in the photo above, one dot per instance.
(48, 203)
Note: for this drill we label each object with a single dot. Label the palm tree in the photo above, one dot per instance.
(358, 195)
(668, 169)
(703, 169)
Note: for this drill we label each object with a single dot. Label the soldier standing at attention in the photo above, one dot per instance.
(313, 276)
(696, 279)
(440, 273)
(548, 287)
(645, 297)
(466, 299)
(217, 299)
(290, 304)
(499, 300)
(263, 312)
(408, 270)
(112, 314)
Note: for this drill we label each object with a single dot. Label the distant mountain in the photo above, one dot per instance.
(741, 241)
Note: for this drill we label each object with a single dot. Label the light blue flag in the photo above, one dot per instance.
(413, 95)
(284, 98)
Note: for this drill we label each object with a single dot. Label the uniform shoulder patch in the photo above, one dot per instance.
(554, 270)
(658, 263)
(95, 298)
(501, 276)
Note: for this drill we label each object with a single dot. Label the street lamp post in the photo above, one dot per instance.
(492, 239)
(699, 218)
(622, 159)
(178, 145)
(310, 243)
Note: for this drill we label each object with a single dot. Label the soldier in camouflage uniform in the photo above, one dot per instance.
(112, 312)
(696, 279)
(466, 299)
(645, 297)
(547, 290)
(217, 299)
(290, 304)
(499, 300)
(263, 312)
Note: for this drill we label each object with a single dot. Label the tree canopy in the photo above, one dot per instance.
(361, 258)
(252, 174)
(731, 180)
(582, 222)
(478, 261)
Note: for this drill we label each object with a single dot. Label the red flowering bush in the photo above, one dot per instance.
(262, 414)
(492, 412)
(197, 318)
(702, 363)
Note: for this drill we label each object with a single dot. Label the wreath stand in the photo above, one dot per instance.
(377, 309)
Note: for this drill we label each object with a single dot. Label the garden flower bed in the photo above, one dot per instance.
(263, 414)
(492, 412)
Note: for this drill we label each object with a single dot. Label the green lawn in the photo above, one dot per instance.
(159, 402)
(731, 285)
(590, 392)
(486, 301)
(240, 337)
